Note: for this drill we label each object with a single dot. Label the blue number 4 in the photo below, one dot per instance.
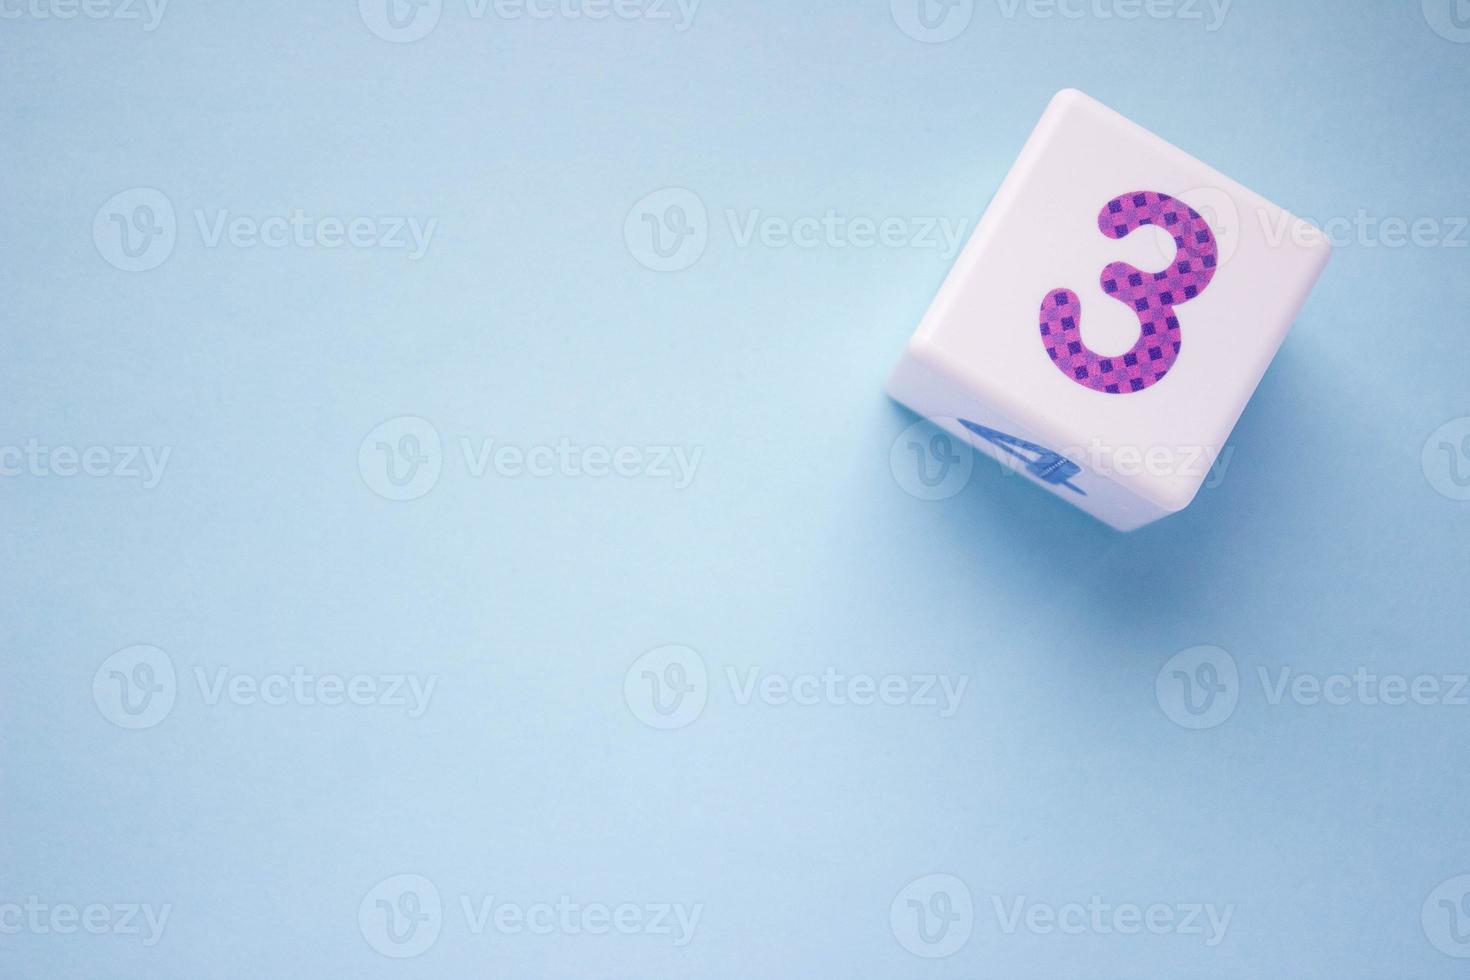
(1045, 465)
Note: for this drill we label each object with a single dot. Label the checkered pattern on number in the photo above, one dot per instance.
(1151, 295)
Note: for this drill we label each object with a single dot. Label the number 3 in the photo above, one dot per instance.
(1151, 295)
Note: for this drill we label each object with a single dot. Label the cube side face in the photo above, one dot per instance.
(1122, 298)
(924, 385)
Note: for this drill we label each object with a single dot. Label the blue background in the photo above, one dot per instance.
(529, 319)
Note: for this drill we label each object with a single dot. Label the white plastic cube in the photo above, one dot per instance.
(1110, 317)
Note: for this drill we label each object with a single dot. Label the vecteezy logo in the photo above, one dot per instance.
(1152, 296)
(667, 688)
(400, 916)
(1198, 688)
(1220, 213)
(136, 229)
(933, 916)
(135, 687)
(668, 230)
(400, 21)
(1446, 459)
(1450, 19)
(929, 463)
(401, 459)
(1446, 917)
(932, 21)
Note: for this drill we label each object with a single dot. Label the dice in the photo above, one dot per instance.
(1110, 316)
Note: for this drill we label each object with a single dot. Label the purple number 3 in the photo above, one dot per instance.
(1151, 295)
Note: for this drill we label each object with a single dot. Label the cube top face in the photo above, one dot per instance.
(1119, 296)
